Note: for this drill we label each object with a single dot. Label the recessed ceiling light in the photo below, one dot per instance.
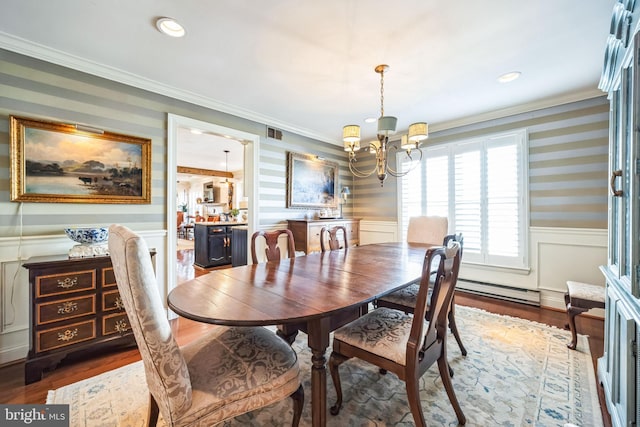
(370, 120)
(170, 27)
(509, 77)
(196, 131)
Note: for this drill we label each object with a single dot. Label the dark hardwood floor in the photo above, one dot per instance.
(13, 389)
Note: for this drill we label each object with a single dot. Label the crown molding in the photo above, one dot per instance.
(38, 51)
(518, 109)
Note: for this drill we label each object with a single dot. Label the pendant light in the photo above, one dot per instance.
(226, 168)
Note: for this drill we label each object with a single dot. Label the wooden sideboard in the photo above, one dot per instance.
(306, 232)
(74, 307)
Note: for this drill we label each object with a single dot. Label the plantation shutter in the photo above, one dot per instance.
(481, 186)
(467, 180)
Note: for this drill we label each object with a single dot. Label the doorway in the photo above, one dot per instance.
(251, 145)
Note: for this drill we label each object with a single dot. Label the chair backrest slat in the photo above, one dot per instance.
(272, 250)
(334, 242)
(438, 305)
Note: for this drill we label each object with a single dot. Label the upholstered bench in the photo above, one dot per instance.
(579, 298)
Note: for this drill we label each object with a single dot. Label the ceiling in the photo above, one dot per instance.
(307, 66)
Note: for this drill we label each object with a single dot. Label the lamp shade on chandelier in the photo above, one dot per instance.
(410, 142)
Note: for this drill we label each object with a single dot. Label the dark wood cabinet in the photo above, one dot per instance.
(213, 244)
(239, 246)
(306, 232)
(75, 307)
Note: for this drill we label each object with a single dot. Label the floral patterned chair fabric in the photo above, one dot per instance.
(402, 343)
(225, 373)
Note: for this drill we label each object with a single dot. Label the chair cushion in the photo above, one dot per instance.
(586, 291)
(236, 370)
(405, 296)
(383, 331)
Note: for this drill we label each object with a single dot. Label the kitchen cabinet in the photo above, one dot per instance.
(618, 368)
(74, 307)
(306, 232)
(239, 246)
(213, 244)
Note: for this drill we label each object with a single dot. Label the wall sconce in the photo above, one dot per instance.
(343, 195)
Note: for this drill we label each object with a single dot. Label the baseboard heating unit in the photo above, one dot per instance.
(509, 293)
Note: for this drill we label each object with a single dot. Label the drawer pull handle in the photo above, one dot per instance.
(68, 335)
(67, 307)
(68, 282)
(118, 303)
(121, 326)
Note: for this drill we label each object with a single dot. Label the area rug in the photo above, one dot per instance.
(516, 373)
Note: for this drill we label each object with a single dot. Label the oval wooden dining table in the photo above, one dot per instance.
(312, 291)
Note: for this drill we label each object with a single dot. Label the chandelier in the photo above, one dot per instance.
(381, 148)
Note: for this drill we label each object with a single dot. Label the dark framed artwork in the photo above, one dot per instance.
(311, 182)
(63, 163)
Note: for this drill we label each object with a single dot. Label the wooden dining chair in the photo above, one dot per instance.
(272, 249)
(332, 234)
(180, 225)
(406, 344)
(226, 372)
(405, 298)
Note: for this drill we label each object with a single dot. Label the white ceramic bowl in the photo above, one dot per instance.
(88, 235)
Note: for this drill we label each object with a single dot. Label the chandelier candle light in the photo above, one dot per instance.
(386, 126)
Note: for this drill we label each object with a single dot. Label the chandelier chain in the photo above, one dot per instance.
(382, 93)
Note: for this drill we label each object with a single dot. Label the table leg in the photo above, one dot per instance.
(318, 339)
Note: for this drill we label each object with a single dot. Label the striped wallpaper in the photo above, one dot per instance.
(33, 88)
(568, 164)
(568, 153)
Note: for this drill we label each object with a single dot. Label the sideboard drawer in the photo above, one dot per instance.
(65, 309)
(115, 324)
(108, 278)
(64, 283)
(111, 301)
(63, 336)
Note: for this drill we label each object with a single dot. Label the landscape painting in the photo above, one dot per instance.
(58, 162)
(311, 182)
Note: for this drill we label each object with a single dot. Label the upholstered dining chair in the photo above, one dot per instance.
(227, 372)
(405, 298)
(333, 241)
(272, 250)
(405, 344)
(430, 230)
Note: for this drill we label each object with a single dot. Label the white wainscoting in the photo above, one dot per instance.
(556, 255)
(14, 283)
(378, 232)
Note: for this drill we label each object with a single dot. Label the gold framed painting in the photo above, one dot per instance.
(55, 162)
(311, 182)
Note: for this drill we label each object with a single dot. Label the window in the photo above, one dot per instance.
(481, 186)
